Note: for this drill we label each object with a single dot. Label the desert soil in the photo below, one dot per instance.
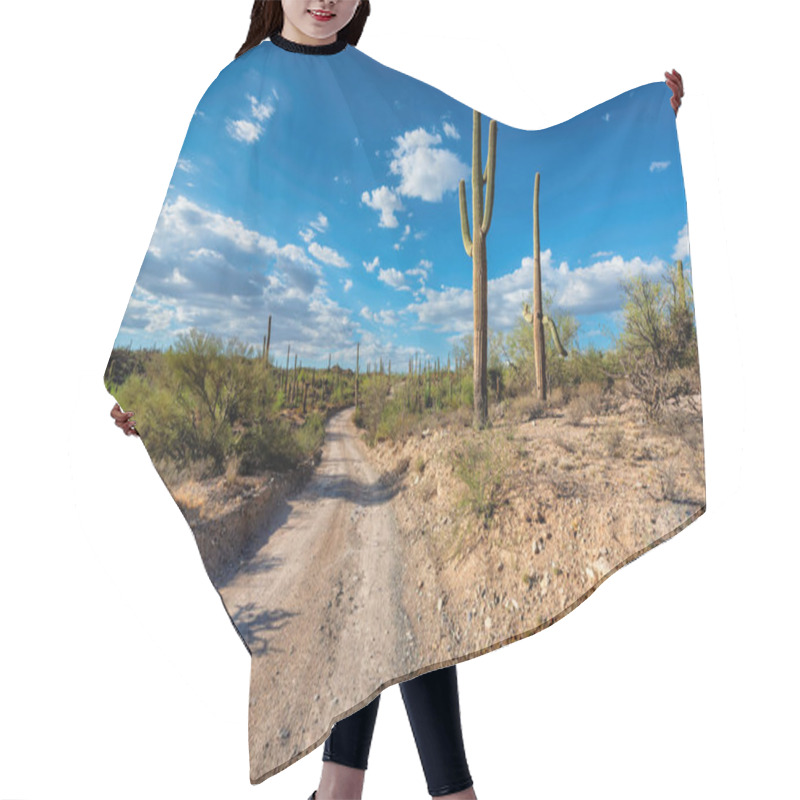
(377, 572)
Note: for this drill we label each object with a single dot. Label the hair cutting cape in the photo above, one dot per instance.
(419, 381)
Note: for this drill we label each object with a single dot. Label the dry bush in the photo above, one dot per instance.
(667, 477)
(577, 409)
(564, 443)
(498, 411)
(232, 467)
(613, 439)
(587, 401)
(645, 453)
(612, 400)
(592, 395)
(560, 396)
(481, 466)
(684, 425)
(563, 484)
(460, 417)
(175, 475)
(697, 467)
(526, 408)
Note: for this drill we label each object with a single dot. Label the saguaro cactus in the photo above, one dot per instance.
(286, 380)
(538, 320)
(358, 350)
(265, 348)
(681, 285)
(476, 250)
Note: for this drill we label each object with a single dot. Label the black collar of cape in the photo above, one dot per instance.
(312, 49)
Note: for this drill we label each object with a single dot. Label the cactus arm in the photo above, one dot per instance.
(490, 165)
(462, 197)
(526, 313)
(550, 324)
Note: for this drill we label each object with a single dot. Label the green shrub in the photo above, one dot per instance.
(268, 445)
(311, 434)
(481, 472)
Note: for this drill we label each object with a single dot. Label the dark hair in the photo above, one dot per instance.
(266, 18)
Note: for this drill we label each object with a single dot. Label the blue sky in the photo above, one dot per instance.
(323, 189)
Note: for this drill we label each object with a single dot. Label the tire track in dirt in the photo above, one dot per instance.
(319, 600)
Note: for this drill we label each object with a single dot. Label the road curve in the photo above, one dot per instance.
(318, 599)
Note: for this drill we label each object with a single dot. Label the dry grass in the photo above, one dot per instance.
(175, 476)
(190, 497)
(564, 443)
(667, 481)
(613, 439)
(563, 484)
(526, 408)
(586, 401)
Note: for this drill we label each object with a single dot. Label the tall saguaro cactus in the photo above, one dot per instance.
(358, 350)
(265, 350)
(681, 285)
(538, 320)
(476, 250)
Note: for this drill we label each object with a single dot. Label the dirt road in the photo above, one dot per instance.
(319, 601)
(360, 580)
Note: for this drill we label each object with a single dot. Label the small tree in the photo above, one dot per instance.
(658, 338)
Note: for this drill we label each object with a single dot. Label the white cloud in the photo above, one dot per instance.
(421, 271)
(208, 270)
(387, 202)
(681, 250)
(425, 171)
(185, 226)
(403, 237)
(348, 285)
(249, 130)
(450, 130)
(394, 278)
(202, 258)
(594, 288)
(385, 316)
(370, 265)
(260, 111)
(204, 252)
(327, 255)
(178, 277)
(243, 130)
(319, 225)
